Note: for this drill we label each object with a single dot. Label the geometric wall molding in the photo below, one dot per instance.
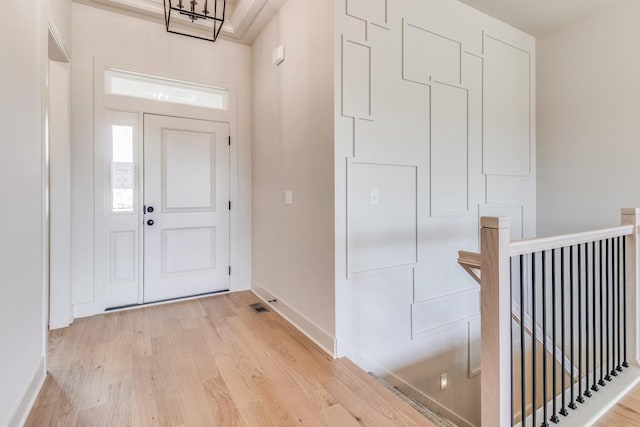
(428, 56)
(449, 151)
(356, 79)
(507, 109)
(372, 11)
(507, 189)
(381, 217)
(444, 310)
(437, 125)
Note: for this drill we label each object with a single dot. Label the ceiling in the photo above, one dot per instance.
(245, 19)
(538, 17)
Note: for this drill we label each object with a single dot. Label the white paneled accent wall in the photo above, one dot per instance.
(435, 127)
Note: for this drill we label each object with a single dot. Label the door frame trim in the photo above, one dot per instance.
(102, 104)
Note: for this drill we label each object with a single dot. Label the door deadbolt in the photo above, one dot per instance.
(150, 209)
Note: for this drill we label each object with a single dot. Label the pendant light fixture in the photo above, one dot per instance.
(188, 18)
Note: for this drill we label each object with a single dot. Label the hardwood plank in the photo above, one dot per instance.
(626, 413)
(210, 361)
(336, 415)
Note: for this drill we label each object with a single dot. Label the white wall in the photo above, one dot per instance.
(435, 127)
(588, 134)
(293, 151)
(101, 37)
(22, 326)
(60, 314)
(59, 22)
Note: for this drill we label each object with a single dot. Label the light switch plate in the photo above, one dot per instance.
(374, 197)
(288, 197)
(278, 55)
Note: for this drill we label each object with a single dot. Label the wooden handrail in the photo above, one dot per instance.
(470, 261)
(547, 243)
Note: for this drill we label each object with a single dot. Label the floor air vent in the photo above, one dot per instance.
(258, 307)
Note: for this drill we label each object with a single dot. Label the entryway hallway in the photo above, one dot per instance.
(205, 362)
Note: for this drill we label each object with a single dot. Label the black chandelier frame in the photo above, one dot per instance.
(191, 13)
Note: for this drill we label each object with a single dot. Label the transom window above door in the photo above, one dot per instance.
(126, 83)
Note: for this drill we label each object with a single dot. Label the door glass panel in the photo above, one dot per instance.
(166, 90)
(122, 169)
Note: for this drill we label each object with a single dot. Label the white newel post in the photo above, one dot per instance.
(495, 308)
(631, 216)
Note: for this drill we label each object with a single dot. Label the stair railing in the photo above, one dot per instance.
(576, 295)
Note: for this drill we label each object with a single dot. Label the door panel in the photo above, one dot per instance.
(186, 224)
(188, 172)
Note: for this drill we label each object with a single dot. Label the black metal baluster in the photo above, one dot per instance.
(625, 363)
(544, 340)
(534, 341)
(554, 416)
(594, 387)
(563, 410)
(601, 382)
(620, 259)
(587, 391)
(614, 284)
(580, 399)
(607, 309)
(523, 375)
(572, 403)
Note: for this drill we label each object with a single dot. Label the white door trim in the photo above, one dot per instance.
(103, 103)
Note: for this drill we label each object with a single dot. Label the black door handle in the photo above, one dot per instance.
(150, 222)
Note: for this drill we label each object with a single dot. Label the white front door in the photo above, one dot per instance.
(186, 198)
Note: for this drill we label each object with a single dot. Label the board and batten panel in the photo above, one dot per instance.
(381, 217)
(449, 150)
(507, 109)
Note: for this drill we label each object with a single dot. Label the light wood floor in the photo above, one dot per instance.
(626, 413)
(206, 362)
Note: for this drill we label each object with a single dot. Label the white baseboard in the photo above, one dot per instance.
(19, 415)
(368, 365)
(85, 309)
(323, 339)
